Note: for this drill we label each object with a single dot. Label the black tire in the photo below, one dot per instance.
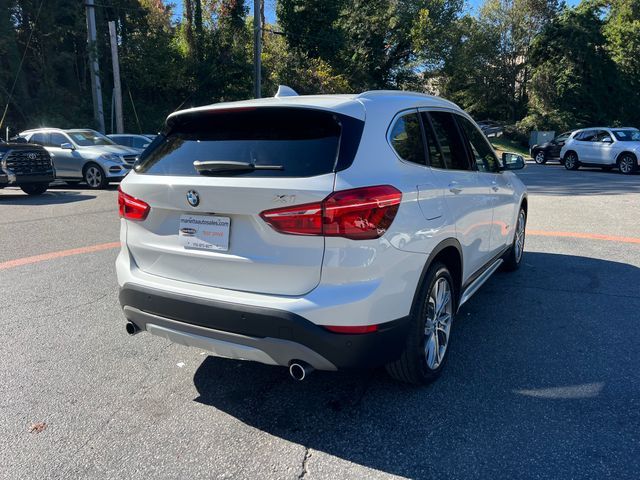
(413, 365)
(94, 176)
(513, 257)
(627, 164)
(539, 157)
(571, 161)
(34, 188)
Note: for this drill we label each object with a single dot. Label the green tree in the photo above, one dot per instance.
(622, 33)
(574, 81)
(496, 44)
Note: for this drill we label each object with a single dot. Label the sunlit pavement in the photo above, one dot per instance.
(543, 379)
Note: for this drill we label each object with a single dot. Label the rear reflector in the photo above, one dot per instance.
(360, 214)
(132, 208)
(353, 329)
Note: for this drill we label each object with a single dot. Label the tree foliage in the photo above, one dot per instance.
(538, 62)
(575, 82)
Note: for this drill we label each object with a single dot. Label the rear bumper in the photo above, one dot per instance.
(262, 334)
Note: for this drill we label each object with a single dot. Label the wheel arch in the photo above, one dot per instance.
(449, 252)
(626, 152)
(88, 162)
(568, 152)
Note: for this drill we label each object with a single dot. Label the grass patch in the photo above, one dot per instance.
(505, 144)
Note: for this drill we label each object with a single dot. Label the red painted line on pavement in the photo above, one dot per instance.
(588, 236)
(62, 253)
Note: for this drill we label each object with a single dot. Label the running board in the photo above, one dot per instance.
(478, 282)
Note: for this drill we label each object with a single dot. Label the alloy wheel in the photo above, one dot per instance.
(93, 176)
(626, 164)
(570, 161)
(438, 323)
(539, 158)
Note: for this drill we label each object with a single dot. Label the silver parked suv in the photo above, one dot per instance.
(84, 155)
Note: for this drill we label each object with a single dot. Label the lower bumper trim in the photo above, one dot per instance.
(282, 335)
(272, 351)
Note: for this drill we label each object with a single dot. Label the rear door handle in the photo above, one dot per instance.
(453, 188)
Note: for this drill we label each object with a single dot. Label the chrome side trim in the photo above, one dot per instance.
(478, 282)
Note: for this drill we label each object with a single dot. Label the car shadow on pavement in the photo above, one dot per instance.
(543, 381)
(47, 198)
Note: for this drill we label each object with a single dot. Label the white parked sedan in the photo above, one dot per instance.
(603, 147)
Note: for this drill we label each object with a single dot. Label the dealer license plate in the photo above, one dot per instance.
(204, 232)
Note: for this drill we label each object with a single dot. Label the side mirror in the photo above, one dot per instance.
(512, 161)
(67, 146)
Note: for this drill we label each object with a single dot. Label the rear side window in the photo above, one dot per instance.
(302, 142)
(451, 145)
(406, 138)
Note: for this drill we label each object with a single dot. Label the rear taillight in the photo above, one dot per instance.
(360, 214)
(297, 220)
(132, 208)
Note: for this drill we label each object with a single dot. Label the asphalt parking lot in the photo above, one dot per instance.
(543, 380)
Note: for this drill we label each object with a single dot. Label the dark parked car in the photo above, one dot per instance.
(26, 166)
(491, 128)
(544, 152)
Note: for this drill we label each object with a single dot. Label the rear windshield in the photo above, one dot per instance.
(302, 142)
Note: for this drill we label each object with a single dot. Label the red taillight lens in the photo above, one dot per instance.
(132, 208)
(298, 220)
(353, 329)
(360, 214)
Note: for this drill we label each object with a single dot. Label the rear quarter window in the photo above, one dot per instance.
(304, 142)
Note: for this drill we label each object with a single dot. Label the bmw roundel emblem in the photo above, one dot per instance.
(193, 198)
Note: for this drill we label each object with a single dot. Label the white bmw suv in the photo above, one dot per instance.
(603, 147)
(317, 232)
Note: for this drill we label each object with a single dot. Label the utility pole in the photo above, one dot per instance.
(257, 47)
(96, 89)
(117, 90)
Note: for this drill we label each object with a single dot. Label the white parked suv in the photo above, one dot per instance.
(603, 147)
(326, 232)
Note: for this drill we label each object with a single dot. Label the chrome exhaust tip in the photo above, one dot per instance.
(132, 328)
(299, 370)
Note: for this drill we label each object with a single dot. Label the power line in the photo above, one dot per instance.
(15, 80)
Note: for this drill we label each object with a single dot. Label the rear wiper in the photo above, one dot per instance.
(211, 167)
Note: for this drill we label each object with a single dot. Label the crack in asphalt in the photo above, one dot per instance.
(307, 455)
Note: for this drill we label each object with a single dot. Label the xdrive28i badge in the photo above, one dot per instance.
(193, 198)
